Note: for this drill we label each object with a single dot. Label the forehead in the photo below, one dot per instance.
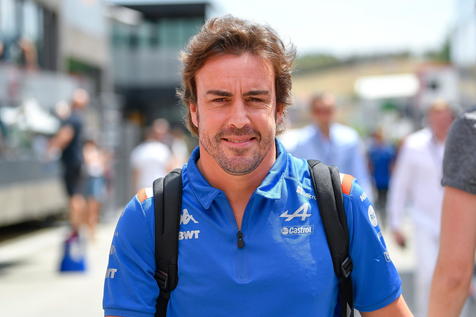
(439, 111)
(323, 104)
(246, 69)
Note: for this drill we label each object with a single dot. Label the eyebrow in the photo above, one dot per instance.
(219, 93)
(228, 94)
(256, 93)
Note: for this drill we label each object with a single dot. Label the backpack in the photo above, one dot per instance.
(327, 185)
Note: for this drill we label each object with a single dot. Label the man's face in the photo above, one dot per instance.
(80, 98)
(323, 111)
(440, 120)
(236, 111)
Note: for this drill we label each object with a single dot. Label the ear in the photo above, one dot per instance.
(193, 108)
(279, 113)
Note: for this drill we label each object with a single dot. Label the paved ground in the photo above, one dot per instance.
(32, 286)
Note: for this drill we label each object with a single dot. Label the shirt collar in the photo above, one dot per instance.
(270, 188)
(318, 133)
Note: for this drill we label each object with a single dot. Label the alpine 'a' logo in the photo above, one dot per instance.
(185, 218)
(300, 212)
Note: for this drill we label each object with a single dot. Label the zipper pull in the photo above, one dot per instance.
(241, 242)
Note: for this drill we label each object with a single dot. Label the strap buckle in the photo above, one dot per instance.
(346, 267)
(162, 279)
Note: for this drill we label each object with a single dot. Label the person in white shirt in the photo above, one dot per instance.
(416, 185)
(152, 158)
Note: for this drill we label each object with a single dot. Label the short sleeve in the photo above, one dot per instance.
(459, 164)
(375, 279)
(130, 288)
(135, 158)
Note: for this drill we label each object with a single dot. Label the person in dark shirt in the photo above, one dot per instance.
(68, 140)
(454, 268)
(381, 156)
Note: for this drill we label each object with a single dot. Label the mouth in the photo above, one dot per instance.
(241, 140)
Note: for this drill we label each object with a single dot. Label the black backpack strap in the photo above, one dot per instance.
(327, 185)
(167, 205)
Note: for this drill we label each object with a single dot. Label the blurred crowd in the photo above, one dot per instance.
(407, 171)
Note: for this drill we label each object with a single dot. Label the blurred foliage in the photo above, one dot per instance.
(321, 61)
(443, 54)
(316, 61)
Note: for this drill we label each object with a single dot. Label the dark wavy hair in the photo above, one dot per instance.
(231, 35)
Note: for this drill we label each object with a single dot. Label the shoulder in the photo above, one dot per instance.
(158, 148)
(299, 170)
(144, 194)
(418, 139)
(464, 128)
(140, 206)
(136, 153)
(296, 137)
(74, 119)
(347, 182)
(344, 134)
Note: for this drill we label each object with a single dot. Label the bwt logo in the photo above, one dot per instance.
(111, 273)
(188, 235)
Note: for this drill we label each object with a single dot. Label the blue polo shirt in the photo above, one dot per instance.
(284, 268)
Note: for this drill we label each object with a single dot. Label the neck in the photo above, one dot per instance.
(325, 129)
(237, 188)
(234, 185)
(440, 136)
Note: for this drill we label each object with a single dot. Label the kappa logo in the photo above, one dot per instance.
(301, 191)
(302, 212)
(186, 217)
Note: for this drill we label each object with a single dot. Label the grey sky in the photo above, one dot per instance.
(348, 27)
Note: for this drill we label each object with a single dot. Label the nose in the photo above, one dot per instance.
(239, 116)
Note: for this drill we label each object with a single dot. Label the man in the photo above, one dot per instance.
(331, 142)
(68, 141)
(381, 156)
(454, 267)
(152, 158)
(240, 189)
(416, 182)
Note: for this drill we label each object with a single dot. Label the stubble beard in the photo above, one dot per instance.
(243, 161)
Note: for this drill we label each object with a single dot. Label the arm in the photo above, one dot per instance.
(454, 267)
(62, 138)
(360, 169)
(398, 195)
(130, 288)
(135, 179)
(396, 309)
(376, 284)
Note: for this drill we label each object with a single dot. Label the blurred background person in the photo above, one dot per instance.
(454, 268)
(152, 158)
(380, 158)
(68, 141)
(331, 142)
(94, 183)
(179, 146)
(416, 184)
